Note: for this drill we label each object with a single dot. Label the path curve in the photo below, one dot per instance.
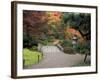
(54, 58)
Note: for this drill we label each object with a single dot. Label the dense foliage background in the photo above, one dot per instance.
(48, 27)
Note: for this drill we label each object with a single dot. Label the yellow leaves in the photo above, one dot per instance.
(53, 18)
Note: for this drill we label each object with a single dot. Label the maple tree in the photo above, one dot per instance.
(33, 21)
(80, 22)
(33, 24)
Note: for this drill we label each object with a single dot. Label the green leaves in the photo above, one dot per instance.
(83, 48)
(31, 57)
(78, 21)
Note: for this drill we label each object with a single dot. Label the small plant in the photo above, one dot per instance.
(45, 42)
(68, 50)
(34, 48)
(66, 43)
(67, 46)
(83, 48)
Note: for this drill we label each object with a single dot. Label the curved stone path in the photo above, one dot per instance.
(54, 58)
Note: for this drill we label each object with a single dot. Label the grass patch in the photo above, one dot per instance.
(31, 57)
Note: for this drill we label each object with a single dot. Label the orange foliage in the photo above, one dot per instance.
(53, 17)
(73, 31)
(70, 32)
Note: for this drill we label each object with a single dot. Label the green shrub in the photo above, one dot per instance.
(45, 42)
(34, 48)
(83, 48)
(68, 50)
(31, 57)
(28, 41)
(66, 43)
(67, 46)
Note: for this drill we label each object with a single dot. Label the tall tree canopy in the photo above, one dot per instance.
(80, 22)
(33, 22)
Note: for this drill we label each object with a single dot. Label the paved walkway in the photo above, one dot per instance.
(54, 58)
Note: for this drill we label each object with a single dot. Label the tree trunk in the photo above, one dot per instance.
(85, 57)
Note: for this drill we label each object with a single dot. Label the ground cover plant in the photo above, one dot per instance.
(31, 57)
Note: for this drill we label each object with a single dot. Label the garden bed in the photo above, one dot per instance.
(31, 57)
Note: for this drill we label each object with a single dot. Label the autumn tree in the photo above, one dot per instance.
(33, 23)
(54, 23)
(80, 22)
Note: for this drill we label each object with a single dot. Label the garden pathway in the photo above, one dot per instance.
(53, 57)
